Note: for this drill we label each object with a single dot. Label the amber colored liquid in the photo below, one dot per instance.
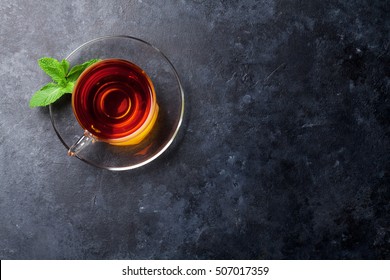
(113, 99)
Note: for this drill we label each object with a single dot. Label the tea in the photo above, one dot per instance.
(115, 101)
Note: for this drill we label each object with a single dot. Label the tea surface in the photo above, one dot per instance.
(112, 98)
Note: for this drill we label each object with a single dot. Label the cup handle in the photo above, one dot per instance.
(84, 141)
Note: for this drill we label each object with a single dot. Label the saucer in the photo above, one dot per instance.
(169, 95)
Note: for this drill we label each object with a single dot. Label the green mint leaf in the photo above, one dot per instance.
(68, 88)
(53, 68)
(65, 65)
(49, 93)
(76, 70)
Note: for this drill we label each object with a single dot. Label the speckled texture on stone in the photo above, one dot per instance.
(284, 153)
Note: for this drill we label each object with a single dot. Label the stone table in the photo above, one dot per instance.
(284, 153)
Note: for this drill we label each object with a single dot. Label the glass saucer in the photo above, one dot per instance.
(169, 94)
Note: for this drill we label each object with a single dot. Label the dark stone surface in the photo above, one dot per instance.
(284, 153)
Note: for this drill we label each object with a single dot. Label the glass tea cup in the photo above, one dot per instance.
(114, 101)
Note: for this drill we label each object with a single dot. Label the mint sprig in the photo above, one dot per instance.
(63, 80)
